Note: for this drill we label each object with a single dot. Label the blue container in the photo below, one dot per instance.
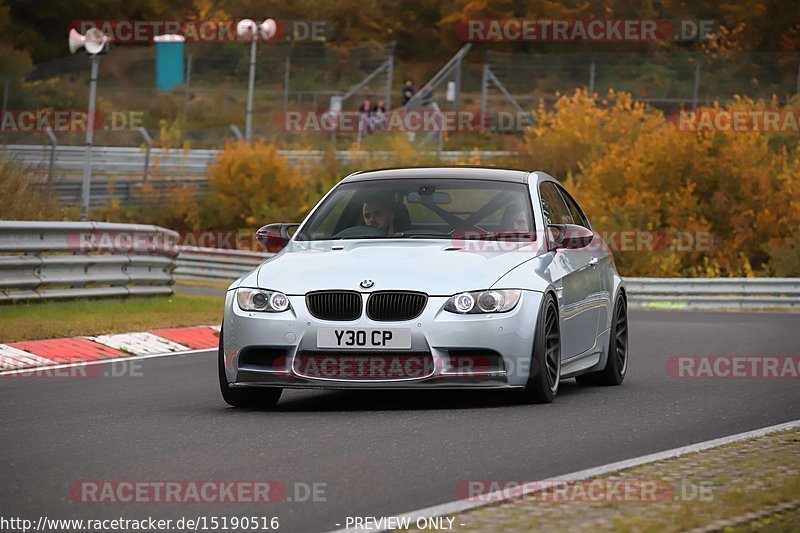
(169, 61)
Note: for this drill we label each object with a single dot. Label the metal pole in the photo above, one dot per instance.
(248, 128)
(484, 94)
(149, 144)
(440, 137)
(287, 68)
(592, 67)
(53, 143)
(457, 99)
(188, 83)
(5, 97)
(86, 187)
(390, 74)
(696, 92)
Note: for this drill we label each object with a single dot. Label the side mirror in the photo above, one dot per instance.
(275, 236)
(570, 236)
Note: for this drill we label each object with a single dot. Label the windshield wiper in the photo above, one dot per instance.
(497, 235)
(405, 235)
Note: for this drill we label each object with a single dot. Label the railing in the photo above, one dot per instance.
(709, 293)
(52, 260)
(211, 264)
(44, 260)
(125, 161)
(120, 173)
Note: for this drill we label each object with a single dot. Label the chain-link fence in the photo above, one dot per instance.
(669, 81)
(306, 76)
(201, 111)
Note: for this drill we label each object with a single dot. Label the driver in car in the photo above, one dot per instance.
(378, 212)
(515, 219)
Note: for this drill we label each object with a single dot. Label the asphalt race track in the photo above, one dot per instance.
(377, 453)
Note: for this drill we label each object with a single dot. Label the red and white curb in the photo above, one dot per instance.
(27, 355)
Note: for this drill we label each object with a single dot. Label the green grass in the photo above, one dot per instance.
(738, 479)
(47, 320)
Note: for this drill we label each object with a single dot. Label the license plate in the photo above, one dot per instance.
(394, 338)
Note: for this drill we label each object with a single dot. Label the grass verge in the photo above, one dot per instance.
(735, 487)
(48, 320)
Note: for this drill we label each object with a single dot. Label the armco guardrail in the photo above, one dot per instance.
(709, 293)
(129, 161)
(52, 260)
(211, 264)
(41, 260)
(118, 172)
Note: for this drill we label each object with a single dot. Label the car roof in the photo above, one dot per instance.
(457, 172)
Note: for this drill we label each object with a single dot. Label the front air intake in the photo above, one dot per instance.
(393, 306)
(334, 305)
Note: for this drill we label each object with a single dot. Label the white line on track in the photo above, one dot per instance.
(44, 369)
(460, 506)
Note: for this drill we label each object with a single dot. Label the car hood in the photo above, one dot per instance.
(436, 267)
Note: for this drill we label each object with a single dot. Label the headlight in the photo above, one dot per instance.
(494, 301)
(260, 300)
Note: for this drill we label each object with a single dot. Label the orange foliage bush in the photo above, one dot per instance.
(632, 169)
(252, 184)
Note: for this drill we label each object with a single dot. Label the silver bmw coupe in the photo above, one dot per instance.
(428, 278)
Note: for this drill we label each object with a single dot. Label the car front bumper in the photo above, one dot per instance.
(441, 334)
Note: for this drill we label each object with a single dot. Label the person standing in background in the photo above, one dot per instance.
(408, 91)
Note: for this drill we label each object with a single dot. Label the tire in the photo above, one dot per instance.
(542, 385)
(259, 397)
(617, 363)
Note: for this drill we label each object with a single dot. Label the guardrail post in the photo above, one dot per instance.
(484, 94)
(440, 130)
(361, 120)
(149, 145)
(53, 143)
(592, 68)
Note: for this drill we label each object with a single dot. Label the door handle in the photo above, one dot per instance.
(593, 262)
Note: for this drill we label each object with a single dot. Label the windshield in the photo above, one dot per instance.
(423, 208)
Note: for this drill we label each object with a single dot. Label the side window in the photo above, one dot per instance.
(553, 207)
(577, 212)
